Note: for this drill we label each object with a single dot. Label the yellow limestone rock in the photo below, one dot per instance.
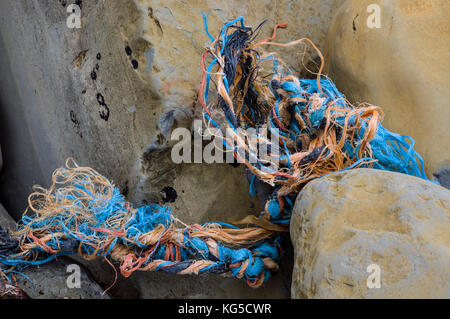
(402, 66)
(352, 230)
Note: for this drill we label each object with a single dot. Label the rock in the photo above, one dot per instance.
(6, 222)
(205, 287)
(347, 221)
(442, 175)
(49, 281)
(109, 93)
(399, 66)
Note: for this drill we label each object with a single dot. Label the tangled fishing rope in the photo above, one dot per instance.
(319, 132)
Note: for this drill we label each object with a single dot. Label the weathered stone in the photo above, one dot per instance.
(205, 286)
(49, 281)
(401, 66)
(346, 221)
(106, 92)
(442, 175)
(6, 222)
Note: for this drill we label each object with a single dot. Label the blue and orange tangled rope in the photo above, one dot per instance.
(82, 212)
(319, 132)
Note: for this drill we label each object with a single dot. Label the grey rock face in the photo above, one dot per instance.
(345, 222)
(6, 222)
(442, 175)
(50, 281)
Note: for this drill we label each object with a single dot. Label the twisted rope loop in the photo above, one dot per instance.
(318, 132)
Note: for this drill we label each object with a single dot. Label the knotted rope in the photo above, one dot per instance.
(318, 130)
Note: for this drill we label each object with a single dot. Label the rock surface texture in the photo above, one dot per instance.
(345, 222)
(108, 95)
(401, 66)
(49, 281)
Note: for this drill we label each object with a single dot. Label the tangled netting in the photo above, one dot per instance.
(318, 130)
